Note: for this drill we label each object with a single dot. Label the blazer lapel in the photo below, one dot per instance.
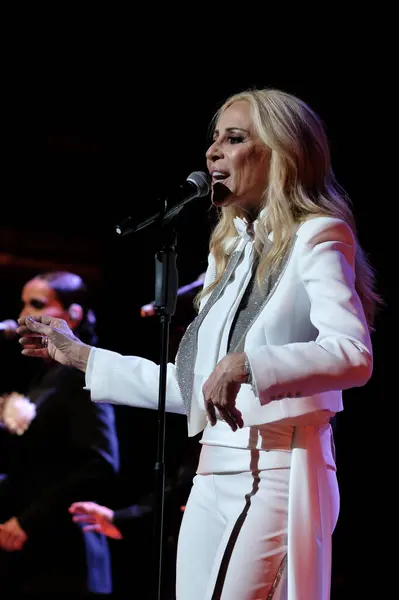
(187, 352)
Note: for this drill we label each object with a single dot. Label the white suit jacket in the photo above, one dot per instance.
(309, 342)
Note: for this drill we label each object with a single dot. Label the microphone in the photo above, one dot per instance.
(197, 185)
(8, 329)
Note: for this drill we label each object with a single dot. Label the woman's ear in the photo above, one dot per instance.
(75, 313)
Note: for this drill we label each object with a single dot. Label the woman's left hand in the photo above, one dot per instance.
(221, 388)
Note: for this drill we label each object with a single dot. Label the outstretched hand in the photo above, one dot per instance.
(48, 337)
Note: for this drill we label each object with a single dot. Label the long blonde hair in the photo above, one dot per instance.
(301, 185)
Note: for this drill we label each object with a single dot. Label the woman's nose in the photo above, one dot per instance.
(214, 152)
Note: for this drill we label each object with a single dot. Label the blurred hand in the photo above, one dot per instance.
(221, 388)
(96, 518)
(12, 536)
(63, 346)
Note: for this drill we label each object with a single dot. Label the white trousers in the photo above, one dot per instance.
(233, 537)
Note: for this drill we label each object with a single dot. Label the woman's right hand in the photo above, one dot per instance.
(44, 337)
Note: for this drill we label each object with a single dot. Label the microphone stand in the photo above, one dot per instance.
(166, 289)
(166, 286)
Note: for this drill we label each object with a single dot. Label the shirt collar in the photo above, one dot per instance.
(247, 230)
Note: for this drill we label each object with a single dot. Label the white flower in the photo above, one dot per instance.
(17, 412)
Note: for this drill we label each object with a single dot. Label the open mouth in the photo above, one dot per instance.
(219, 176)
(220, 192)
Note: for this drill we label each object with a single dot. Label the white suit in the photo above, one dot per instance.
(309, 342)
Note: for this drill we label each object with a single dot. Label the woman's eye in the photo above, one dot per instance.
(37, 304)
(236, 139)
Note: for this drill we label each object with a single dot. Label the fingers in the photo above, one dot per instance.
(84, 518)
(44, 319)
(84, 512)
(220, 392)
(35, 352)
(82, 507)
(27, 335)
(210, 409)
(226, 416)
(230, 414)
(33, 345)
(112, 533)
(236, 416)
(10, 542)
(31, 341)
(95, 527)
(39, 325)
(24, 330)
(15, 543)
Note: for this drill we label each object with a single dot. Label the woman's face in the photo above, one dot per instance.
(38, 298)
(237, 160)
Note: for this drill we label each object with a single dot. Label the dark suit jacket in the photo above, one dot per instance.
(69, 453)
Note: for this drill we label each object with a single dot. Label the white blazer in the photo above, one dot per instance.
(309, 342)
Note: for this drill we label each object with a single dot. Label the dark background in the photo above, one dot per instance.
(94, 131)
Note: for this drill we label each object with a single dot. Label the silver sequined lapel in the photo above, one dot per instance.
(186, 355)
(187, 352)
